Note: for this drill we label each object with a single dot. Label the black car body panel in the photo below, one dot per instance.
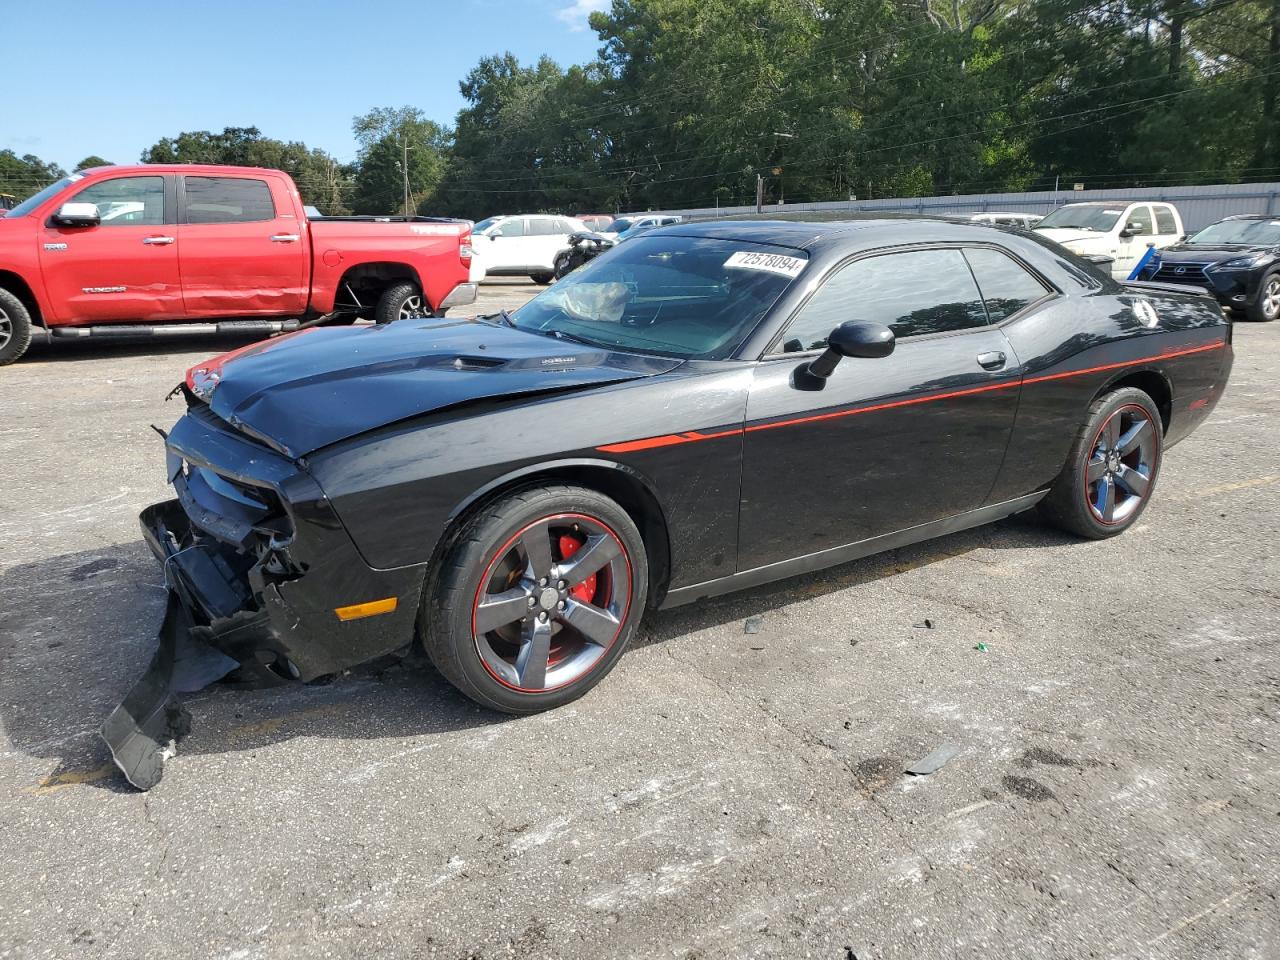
(334, 468)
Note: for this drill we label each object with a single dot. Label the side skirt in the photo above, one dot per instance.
(850, 551)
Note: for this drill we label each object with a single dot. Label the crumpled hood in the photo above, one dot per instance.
(319, 386)
(1070, 234)
(1211, 253)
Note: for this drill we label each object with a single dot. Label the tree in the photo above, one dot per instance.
(388, 137)
(93, 160)
(25, 175)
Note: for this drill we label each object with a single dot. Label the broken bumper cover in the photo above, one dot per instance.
(246, 598)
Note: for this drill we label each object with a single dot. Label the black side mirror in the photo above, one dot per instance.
(854, 338)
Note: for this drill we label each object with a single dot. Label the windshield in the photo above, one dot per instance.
(29, 204)
(1260, 233)
(622, 223)
(672, 296)
(1099, 218)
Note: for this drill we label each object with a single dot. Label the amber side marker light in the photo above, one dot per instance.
(371, 609)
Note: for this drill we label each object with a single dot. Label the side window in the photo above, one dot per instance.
(511, 228)
(1164, 221)
(127, 201)
(916, 293)
(1005, 284)
(228, 200)
(1143, 224)
(565, 226)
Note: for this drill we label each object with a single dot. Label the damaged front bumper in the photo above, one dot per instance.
(256, 566)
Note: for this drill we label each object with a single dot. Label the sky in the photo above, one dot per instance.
(122, 74)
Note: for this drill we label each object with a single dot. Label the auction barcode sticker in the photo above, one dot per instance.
(770, 262)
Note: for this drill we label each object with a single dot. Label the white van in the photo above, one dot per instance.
(522, 245)
(1118, 229)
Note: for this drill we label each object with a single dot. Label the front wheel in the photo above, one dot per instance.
(542, 278)
(1112, 469)
(403, 301)
(537, 599)
(1266, 306)
(15, 328)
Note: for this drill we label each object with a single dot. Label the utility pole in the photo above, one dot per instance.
(759, 193)
(404, 167)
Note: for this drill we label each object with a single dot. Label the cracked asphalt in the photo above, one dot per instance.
(721, 794)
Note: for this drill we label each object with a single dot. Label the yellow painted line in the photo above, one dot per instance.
(1230, 487)
(70, 778)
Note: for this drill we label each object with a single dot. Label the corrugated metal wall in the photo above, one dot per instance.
(1199, 206)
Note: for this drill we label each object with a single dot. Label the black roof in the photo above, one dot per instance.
(809, 235)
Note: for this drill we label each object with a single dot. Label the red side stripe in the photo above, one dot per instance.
(691, 436)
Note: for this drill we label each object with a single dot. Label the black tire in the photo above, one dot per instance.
(1077, 502)
(485, 562)
(542, 278)
(562, 266)
(15, 328)
(402, 301)
(1266, 305)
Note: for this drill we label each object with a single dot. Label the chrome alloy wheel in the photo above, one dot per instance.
(551, 603)
(1122, 464)
(1270, 298)
(411, 309)
(6, 329)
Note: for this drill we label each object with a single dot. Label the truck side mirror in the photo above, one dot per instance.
(854, 338)
(77, 215)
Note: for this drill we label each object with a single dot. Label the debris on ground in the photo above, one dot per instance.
(925, 624)
(753, 625)
(982, 647)
(934, 761)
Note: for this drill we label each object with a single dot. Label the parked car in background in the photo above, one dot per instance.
(582, 247)
(1236, 259)
(707, 408)
(597, 221)
(161, 249)
(7, 202)
(524, 244)
(1008, 219)
(1113, 228)
(640, 222)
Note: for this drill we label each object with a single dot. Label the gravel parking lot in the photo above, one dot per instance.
(723, 793)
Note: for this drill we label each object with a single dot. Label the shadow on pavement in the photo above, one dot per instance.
(77, 630)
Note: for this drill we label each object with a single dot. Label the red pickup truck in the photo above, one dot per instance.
(159, 249)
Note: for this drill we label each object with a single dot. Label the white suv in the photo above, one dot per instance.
(1116, 229)
(522, 245)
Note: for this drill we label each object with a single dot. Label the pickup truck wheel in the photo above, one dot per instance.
(403, 301)
(1266, 306)
(15, 328)
(542, 278)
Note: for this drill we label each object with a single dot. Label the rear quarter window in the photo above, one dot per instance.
(1006, 285)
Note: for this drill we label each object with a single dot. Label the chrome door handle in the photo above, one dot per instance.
(284, 238)
(993, 360)
(158, 241)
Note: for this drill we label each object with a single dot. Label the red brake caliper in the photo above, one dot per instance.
(569, 545)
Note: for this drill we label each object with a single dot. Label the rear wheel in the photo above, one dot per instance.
(543, 278)
(403, 301)
(537, 599)
(1266, 306)
(1112, 469)
(15, 328)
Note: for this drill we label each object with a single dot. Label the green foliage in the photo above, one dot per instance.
(25, 175)
(390, 139)
(687, 101)
(93, 160)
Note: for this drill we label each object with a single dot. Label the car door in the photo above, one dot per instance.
(506, 253)
(1167, 232)
(1139, 224)
(884, 444)
(126, 267)
(546, 236)
(241, 250)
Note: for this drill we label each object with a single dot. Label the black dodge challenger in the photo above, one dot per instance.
(700, 410)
